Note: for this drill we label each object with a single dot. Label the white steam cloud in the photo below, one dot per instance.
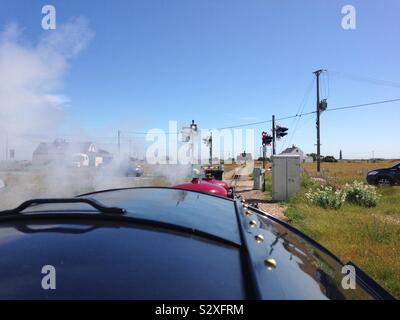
(31, 77)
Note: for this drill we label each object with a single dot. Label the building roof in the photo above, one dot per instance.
(292, 149)
(60, 146)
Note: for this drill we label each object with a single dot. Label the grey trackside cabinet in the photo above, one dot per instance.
(285, 176)
(258, 178)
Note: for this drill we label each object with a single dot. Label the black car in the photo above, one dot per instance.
(134, 171)
(384, 177)
(164, 243)
(129, 169)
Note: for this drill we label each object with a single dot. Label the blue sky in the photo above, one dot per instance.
(229, 62)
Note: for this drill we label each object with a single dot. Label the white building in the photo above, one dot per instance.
(60, 152)
(293, 150)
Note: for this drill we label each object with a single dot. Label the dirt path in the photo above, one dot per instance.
(244, 187)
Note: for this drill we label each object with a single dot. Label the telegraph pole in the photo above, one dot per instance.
(317, 74)
(119, 142)
(273, 135)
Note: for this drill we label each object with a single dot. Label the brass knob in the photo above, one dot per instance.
(270, 263)
(253, 223)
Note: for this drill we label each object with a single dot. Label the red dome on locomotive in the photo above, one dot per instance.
(220, 183)
(203, 186)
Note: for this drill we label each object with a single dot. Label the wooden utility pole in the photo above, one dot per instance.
(317, 74)
(273, 135)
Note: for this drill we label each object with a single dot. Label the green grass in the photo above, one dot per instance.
(268, 185)
(293, 215)
(370, 237)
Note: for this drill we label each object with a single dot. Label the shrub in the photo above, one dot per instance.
(329, 159)
(306, 182)
(361, 194)
(326, 197)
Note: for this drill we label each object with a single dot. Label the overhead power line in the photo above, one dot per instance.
(296, 121)
(312, 112)
(370, 80)
(40, 136)
(363, 105)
